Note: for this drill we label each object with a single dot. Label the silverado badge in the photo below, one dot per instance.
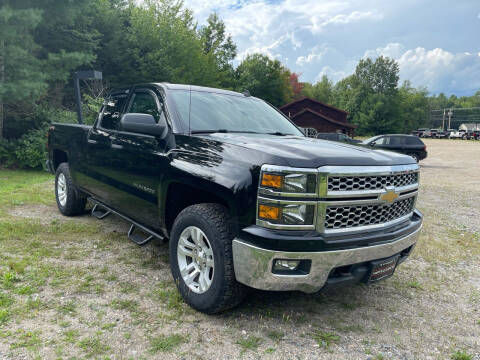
(389, 197)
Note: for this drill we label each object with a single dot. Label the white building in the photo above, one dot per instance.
(469, 126)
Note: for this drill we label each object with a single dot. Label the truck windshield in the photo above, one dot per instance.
(212, 112)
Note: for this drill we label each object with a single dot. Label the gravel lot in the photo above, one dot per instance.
(77, 288)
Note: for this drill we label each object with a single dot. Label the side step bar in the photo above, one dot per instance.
(101, 211)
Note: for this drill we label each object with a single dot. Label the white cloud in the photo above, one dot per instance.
(316, 54)
(437, 69)
(334, 75)
(317, 37)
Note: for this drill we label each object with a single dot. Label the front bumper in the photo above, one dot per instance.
(253, 265)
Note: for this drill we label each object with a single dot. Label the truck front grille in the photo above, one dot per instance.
(351, 216)
(365, 182)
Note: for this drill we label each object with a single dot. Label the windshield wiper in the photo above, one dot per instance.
(278, 133)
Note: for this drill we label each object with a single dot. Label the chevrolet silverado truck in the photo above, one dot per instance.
(244, 198)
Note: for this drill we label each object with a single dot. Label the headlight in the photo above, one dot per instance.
(276, 206)
(279, 180)
(285, 213)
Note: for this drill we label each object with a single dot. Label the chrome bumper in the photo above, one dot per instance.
(253, 265)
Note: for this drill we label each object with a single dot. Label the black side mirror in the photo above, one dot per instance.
(373, 143)
(141, 124)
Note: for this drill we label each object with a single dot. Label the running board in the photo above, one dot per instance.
(100, 212)
(137, 239)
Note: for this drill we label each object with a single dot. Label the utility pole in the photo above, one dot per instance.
(450, 113)
(443, 120)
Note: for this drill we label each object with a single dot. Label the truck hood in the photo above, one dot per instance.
(298, 151)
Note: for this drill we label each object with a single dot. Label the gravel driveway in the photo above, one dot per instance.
(77, 288)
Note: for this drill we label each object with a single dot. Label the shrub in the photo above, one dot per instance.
(31, 149)
(8, 157)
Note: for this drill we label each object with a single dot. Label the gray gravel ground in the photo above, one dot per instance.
(96, 295)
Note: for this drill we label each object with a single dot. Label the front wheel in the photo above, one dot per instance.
(201, 258)
(70, 201)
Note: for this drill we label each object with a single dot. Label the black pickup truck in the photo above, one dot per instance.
(244, 198)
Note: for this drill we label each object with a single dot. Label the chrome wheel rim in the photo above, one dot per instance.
(62, 189)
(195, 259)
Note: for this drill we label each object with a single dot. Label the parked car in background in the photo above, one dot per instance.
(458, 134)
(406, 144)
(424, 132)
(337, 137)
(441, 134)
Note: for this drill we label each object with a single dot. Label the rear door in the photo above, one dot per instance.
(98, 178)
(140, 161)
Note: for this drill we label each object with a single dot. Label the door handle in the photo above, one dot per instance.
(91, 141)
(116, 146)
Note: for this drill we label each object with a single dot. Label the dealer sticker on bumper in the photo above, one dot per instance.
(381, 269)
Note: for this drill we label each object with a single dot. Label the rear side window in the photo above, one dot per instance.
(112, 109)
(395, 140)
(413, 140)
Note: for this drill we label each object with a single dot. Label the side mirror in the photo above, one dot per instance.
(141, 124)
(373, 143)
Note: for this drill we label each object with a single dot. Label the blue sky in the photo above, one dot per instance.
(436, 43)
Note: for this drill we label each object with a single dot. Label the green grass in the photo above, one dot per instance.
(250, 343)
(325, 339)
(128, 305)
(461, 355)
(275, 335)
(93, 346)
(21, 187)
(166, 343)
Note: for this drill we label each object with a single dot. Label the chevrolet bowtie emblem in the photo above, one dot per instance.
(390, 196)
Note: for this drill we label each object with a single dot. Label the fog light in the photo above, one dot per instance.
(282, 265)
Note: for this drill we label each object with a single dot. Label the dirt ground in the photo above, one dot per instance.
(78, 288)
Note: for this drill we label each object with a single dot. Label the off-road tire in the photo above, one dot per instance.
(224, 292)
(75, 201)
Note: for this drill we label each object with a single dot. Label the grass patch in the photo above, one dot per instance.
(166, 343)
(93, 346)
(325, 339)
(250, 343)
(27, 339)
(275, 335)
(461, 355)
(69, 308)
(128, 305)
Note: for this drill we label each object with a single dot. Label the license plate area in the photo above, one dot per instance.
(382, 269)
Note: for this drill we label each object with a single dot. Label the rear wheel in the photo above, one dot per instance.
(70, 200)
(201, 258)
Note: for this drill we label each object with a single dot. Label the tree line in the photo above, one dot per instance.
(43, 41)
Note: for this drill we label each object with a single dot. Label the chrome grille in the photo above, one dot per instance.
(358, 183)
(338, 217)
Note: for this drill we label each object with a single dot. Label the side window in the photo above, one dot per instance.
(396, 140)
(381, 141)
(413, 141)
(112, 108)
(145, 103)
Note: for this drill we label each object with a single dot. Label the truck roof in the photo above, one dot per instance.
(197, 88)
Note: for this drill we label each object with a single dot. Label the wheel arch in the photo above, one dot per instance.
(179, 195)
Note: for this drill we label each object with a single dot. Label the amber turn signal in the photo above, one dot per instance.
(270, 180)
(268, 212)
